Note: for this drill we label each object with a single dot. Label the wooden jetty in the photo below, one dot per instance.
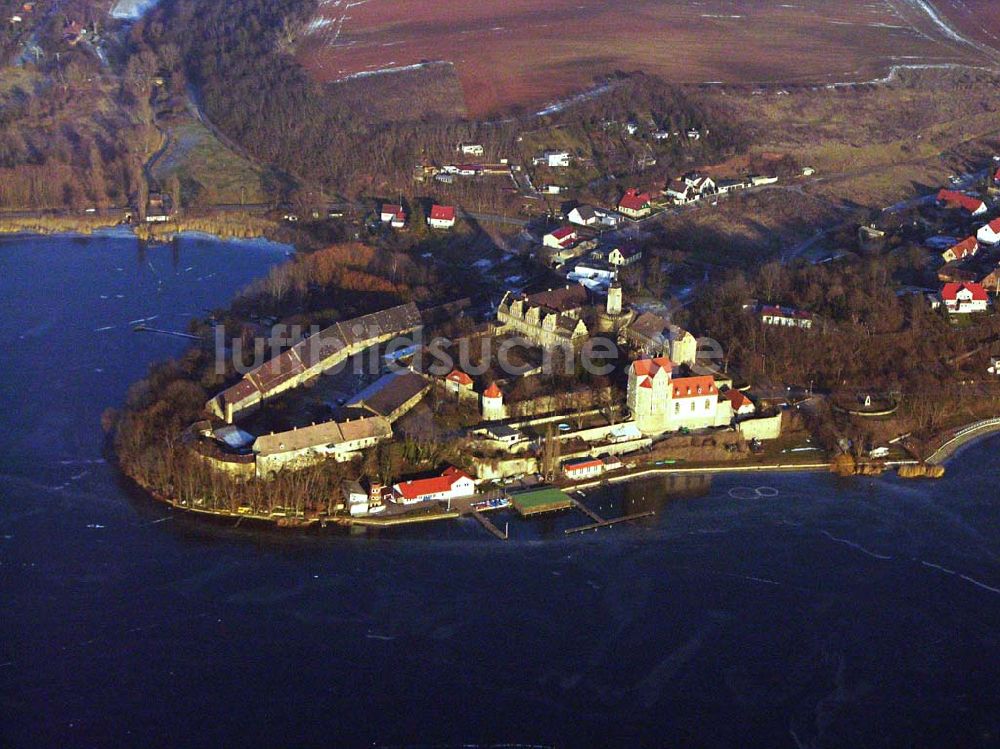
(174, 333)
(606, 523)
(600, 522)
(488, 525)
(586, 510)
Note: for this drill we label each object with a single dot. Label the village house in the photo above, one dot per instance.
(553, 159)
(471, 149)
(967, 248)
(451, 484)
(586, 215)
(441, 217)
(964, 298)
(660, 402)
(635, 204)
(561, 239)
(394, 215)
(622, 257)
(950, 199)
(458, 381)
(583, 215)
(690, 188)
(785, 317)
(580, 469)
(990, 234)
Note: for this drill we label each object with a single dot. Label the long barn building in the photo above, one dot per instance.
(310, 358)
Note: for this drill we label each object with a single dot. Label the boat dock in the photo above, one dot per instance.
(600, 522)
(586, 510)
(174, 333)
(606, 523)
(503, 535)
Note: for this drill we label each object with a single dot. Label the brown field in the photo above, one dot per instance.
(979, 20)
(530, 52)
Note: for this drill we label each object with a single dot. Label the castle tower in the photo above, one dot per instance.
(615, 299)
(493, 408)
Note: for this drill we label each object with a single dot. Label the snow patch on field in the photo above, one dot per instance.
(131, 9)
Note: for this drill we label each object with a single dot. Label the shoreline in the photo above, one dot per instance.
(222, 226)
(285, 522)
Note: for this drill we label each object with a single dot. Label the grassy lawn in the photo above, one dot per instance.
(209, 172)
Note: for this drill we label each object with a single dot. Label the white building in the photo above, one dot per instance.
(964, 298)
(554, 159)
(561, 238)
(785, 317)
(990, 234)
(471, 149)
(452, 484)
(339, 441)
(660, 402)
(493, 408)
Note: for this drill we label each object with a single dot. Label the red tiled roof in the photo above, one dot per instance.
(443, 212)
(581, 463)
(436, 485)
(634, 200)
(994, 225)
(457, 375)
(967, 246)
(562, 233)
(395, 210)
(649, 367)
(493, 391)
(692, 387)
(738, 399)
(953, 198)
(949, 292)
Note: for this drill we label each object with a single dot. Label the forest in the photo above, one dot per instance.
(867, 338)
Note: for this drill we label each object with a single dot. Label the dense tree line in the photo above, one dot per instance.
(866, 337)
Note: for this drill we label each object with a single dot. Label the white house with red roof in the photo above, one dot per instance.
(660, 402)
(393, 215)
(451, 484)
(954, 199)
(561, 239)
(635, 204)
(990, 234)
(964, 298)
(579, 469)
(964, 249)
(442, 217)
(457, 381)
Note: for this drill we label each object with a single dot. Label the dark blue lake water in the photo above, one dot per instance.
(817, 612)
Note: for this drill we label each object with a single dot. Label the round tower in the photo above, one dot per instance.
(493, 409)
(615, 299)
